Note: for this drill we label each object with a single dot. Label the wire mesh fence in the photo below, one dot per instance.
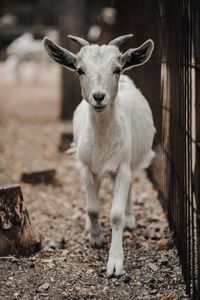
(175, 170)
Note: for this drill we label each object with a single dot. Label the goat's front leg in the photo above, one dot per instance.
(117, 219)
(93, 209)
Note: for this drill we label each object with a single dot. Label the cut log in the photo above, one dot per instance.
(17, 234)
(46, 176)
(65, 140)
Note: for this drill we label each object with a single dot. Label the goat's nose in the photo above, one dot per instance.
(98, 97)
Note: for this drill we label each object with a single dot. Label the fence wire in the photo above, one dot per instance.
(176, 168)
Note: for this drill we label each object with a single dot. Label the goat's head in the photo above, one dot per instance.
(99, 67)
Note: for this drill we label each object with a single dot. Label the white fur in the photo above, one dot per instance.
(116, 139)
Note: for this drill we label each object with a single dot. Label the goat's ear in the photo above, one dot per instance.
(60, 55)
(138, 56)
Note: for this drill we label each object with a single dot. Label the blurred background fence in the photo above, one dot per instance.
(173, 93)
(170, 81)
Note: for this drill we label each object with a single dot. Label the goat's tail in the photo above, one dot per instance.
(72, 149)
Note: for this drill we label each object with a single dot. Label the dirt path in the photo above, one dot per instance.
(29, 136)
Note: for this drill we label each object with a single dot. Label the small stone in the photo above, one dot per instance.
(128, 234)
(93, 289)
(114, 280)
(57, 244)
(65, 252)
(116, 283)
(16, 295)
(11, 278)
(153, 267)
(126, 293)
(46, 261)
(89, 271)
(44, 287)
(163, 244)
(105, 289)
(51, 265)
(8, 283)
(64, 295)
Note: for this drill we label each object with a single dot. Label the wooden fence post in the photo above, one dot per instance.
(73, 21)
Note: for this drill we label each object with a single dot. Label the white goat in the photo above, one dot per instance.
(24, 49)
(113, 131)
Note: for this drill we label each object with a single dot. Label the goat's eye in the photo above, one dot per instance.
(117, 71)
(80, 72)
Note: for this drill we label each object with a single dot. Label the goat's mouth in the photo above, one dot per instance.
(99, 108)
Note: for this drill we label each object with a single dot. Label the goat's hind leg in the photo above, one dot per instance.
(93, 208)
(130, 222)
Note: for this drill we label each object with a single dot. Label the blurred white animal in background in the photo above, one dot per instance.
(94, 33)
(25, 58)
(7, 20)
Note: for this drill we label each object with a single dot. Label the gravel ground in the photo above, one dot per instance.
(29, 137)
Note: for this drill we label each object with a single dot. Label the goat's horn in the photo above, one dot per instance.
(120, 40)
(78, 40)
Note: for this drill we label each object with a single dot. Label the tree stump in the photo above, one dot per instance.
(17, 234)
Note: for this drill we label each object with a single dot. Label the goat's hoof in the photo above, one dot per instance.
(115, 268)
(96, 242)
(130, 223)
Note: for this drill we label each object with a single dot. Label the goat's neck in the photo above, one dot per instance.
(104, 121)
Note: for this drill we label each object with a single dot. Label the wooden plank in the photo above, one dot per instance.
(45, 176)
